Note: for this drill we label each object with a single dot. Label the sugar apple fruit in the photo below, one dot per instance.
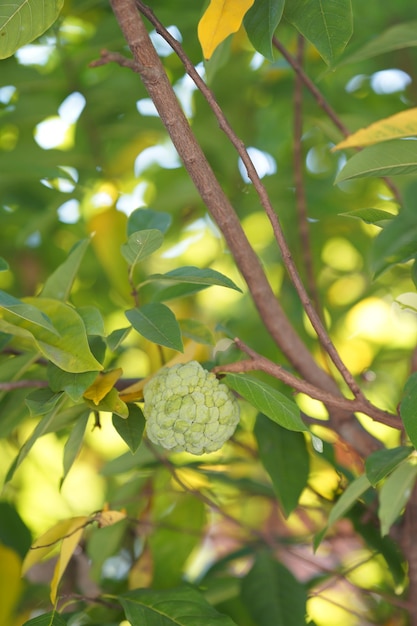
(188, 410)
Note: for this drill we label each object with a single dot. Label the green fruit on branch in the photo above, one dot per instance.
(188, 410)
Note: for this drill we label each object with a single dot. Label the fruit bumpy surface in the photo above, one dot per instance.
(188, 410)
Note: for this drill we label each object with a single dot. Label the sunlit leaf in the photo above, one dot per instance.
(182, 606)
(267, 400)
(108, 517)
(403, 124)
(147, 219)
(22, 21)
(221, 19)
(261, 22)
(327, 24)
(19, 312)
(285, 457)
(141, 244)
(272, 594)
(371, 216)
(380, 463)
(110, 403)
(102, 385)
(131, 429)
(398, 156)
(395, 493)
(60, 283)
(68, 546)
(196, 275)
(157, 323)
(10, 583)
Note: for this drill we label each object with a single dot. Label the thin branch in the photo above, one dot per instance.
(323, 104)
(23, 384)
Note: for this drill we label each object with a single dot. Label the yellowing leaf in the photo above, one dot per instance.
(221, 19)
(48, 541)
(67, 550)
(108, 518)
(10, 583)
(402, 124)
(102, 385)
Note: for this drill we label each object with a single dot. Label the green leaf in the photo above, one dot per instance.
(141, 244)
(67, 346)
(111, 403)
(147, 219)
(195, 330)
(395, 493)
(157, 323)
(19, 312)
(116, 338)
(182, 606)
(396, 243)
(13, 531)
(181, 290)
(4, 266)
(284, 455)
(131, 429)
(47, 619)
(93, 320)
(327, 24)
(60, 283)
(389, 158)
(261, 22)
(380, 463)
(272, 595)
(22, 21)
(73, 384)
(74, 443)
(370, 216)
(196, 276)
(348, 498)
(41, 401)
(397, 37)
(267, 400)
(408, 408)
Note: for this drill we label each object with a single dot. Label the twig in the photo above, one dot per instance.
(23, 384)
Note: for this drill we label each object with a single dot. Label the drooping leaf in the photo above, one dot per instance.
(396, 37)
(403, 124)
(261, 22)
(68, 546)
(267, 400)
(181, 606)
(47, 619)
(285, 457)
(327, 24)
(371, 216)
(74, 442)
(272, 594)
(380, 463)
(102, 385)
(147, 219)
(221, 19)
(141, 244)
(116, 338)
(110, 403)
(396, 243)
(10, 583)
(197, 276)
(157, 323)
(131, 429)
(395, 493)
(60, 283)
(41, 401)
(21, 22)
(398, 156)
(408, 408)
(19, 312)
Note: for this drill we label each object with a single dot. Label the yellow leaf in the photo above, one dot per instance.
(67, 550)
(108, 518)
(48, 541)
(10, 583)
(221, 19)
(402, 124)
(134, 393)
(102, 385)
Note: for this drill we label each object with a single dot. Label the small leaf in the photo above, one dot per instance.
(157, 323)
(4, 266)
(398, 156)
(197, 276)
(327, 24)
(395, 493)
(109, 518)
(21, 22)
(116, 338)
(397, 37)
(131, 429)
(267, 400)
(74, 443)
(285, 457)
(147, 219)
(380, 463)
(59, 284)
(261, 22)
(111, 403)
(221, 19)
(25, 312)
(408, 408)
(102, 385)
(182, 606)
(403, 124)
(141, 244)
(273, 595)
(41, 401)
(396, 243)
(370, 216)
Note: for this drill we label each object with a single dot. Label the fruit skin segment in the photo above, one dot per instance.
(188, 410)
